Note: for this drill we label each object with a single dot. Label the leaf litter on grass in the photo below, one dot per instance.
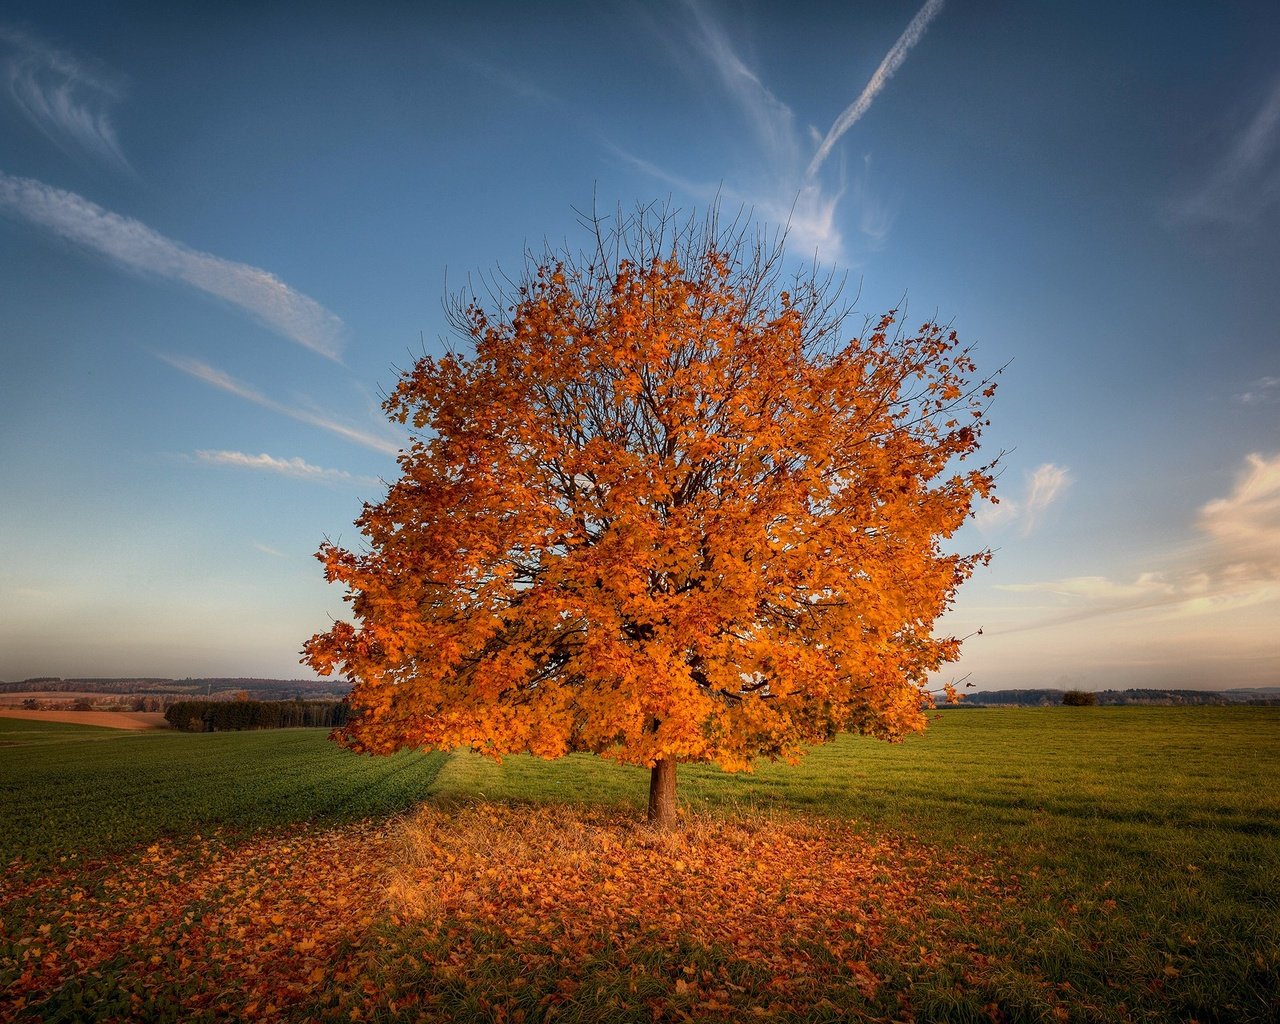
(751, 914)
(510, 912)
(239, 929)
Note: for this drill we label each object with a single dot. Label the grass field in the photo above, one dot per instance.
(70, 791)
(1044, 864)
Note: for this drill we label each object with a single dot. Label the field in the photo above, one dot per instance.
(75, 792)
(15, 698)
(1090, 864)
(109, 719)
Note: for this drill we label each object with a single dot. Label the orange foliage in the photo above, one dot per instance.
(662, 513)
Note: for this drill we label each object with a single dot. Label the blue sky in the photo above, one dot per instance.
(223, 229)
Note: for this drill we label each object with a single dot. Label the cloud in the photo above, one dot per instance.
(1234, 564)
(266, 550)
(134, 245)
(1262, 391)
(770, 118)
(498, 75)
(1245, 525)
(1042, 488)
(1047, 482)
(65, 100)
(788, 187)
(215, 377)
(1146, 587)
(295, 467)
(892, 61)
(810, 216)
(1245, 182)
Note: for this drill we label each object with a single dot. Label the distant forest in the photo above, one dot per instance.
(233, 715)
(261, 689)
(223, 689)
(1047, 698)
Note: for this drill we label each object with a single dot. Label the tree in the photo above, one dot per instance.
(1079, 699)
(662, 513)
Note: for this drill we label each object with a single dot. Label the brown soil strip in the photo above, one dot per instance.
(109, 719)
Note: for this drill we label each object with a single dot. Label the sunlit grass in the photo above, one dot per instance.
(1146, 841)
(23, 731)
(1086, 864)
(69, 791)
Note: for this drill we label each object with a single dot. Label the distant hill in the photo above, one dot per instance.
(257, 689)
(1046, 698)
(319, 689)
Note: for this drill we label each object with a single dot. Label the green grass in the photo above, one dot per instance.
(1144, 843)
(69, 790)
(1146, 840)
(22, 731)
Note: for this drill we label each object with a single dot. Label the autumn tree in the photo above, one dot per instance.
(660, 508)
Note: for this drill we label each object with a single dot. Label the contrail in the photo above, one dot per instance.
(892, 61)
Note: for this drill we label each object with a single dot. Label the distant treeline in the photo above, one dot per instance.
(1047, 698)
(232, 715)
(55, 684)
(276, 689)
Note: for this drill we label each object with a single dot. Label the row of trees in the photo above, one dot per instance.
(277, 689)
(1047, 698)
(224, 715)
(56, 684)
(141, 703)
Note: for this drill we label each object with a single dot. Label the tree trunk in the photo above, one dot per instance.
(662, 794)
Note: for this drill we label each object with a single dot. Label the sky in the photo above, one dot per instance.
(224, 229)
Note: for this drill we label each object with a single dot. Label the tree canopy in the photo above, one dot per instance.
(661, 509)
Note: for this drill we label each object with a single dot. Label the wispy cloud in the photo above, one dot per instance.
(1245, 525)
(770, 118)
(296, 468)
(1042, 487)
(1047, 482)
(216, 378)
(267, 550)
(1245, 181)
(498, 75)
(1146, 587)
(1260, 392)
(788, 186)
(61, 96)
(1235, 564)
(892, 61)
(132, 244)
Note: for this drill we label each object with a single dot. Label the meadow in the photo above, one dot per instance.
(70, 791)
(1094, 864)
